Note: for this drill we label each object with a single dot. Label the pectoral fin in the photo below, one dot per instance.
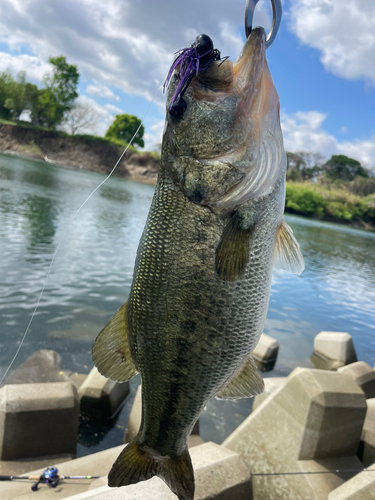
(287, 254)
(232, 253)
(245, 384)
(111, 351)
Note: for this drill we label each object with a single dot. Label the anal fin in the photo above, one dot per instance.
(287, 253)
(247, 383)
(111, 350)
(233, 250)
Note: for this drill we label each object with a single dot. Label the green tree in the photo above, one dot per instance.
(58, 95)
(344, 168)
(33, 104)
(17, 98)
(6, 84)
(124, 127)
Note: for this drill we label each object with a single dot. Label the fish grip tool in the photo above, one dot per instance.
(277, 12)
(50, 477)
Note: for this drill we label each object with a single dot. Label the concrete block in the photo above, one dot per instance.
(363, 374)
(101, 395)
(335, 345)
(368, 434)
(267, 349)
(313, 422)
(135, 418)
(20, 467)
(96, 464)
(75, 378)
(38, 420)
(194, 440)
(220, 474)
(271, 384)
(322, 363)
(43, 366)
(360, 487)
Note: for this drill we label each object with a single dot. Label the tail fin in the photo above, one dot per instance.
(134, 465)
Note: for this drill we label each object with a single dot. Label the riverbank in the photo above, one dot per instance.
(84, 152)
(321, 201)
(332, 202)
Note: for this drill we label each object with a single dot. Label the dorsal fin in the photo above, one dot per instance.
(245, 384)
(111, 351)
(287, 253)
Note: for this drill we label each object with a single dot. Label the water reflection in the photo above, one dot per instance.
(39, 215)
(44, 178)
(116, 194)
(6, 173)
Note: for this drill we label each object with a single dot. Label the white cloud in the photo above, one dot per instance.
(153, 139)
(363, 151)
(120, 43)
(34, 67)
(303, 131)
(99, 90)
(342, 30)
(114, 109)
(101, 110)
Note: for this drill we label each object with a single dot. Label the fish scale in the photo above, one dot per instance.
(192, 324)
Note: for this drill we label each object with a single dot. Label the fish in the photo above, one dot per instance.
(202, 277)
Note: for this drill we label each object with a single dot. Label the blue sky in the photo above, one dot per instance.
(322, 62)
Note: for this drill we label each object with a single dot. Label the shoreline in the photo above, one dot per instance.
(360, 225)
(97, 155)
(82, 152)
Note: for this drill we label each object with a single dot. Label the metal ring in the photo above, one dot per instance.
(276, 19)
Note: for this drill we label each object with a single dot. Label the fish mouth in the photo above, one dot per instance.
(248, 74)
(263, 149)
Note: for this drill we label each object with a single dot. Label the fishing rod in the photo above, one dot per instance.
(50, 476)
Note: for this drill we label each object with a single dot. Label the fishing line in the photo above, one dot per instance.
(335, 471)
(66, 231)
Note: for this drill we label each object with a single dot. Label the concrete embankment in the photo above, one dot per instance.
(309, 435)
(78, 152)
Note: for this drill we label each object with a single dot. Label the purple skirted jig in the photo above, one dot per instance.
(191, 60)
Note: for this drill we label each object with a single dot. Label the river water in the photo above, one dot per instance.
(92, 273)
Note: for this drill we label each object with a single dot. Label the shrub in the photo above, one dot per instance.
(304, 200)
(362, 186)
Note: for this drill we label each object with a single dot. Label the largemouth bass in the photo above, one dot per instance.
(202, 277)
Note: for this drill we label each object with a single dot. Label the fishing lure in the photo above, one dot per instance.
(191, 60)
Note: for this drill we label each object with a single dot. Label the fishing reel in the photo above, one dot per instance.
(50, 476)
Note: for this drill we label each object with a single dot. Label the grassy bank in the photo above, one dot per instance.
(59, 133)
(334, 201)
